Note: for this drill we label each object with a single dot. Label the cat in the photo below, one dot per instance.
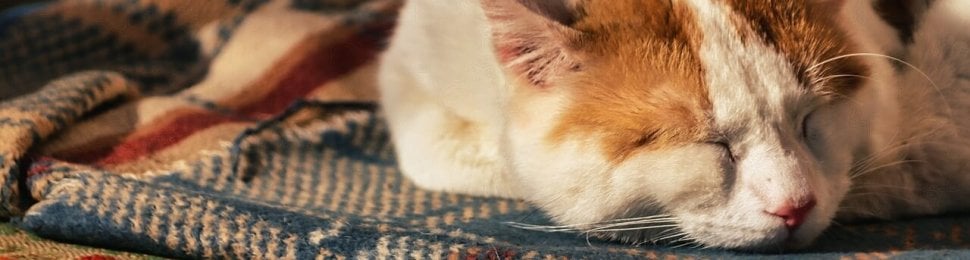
(744, 125)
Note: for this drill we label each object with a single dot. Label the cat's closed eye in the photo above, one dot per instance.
(809, 131)
(725, 147)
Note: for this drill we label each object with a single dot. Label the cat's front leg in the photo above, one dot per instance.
(437, 149)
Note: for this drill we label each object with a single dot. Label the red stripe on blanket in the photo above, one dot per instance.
(173, 132)
(319, 66)
(316, 68)
(170, 131)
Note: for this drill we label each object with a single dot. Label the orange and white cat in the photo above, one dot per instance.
(728, 123)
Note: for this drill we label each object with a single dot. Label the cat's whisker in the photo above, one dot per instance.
(886, 151)
(890, 150)
(886, 165)
(907, 64)
(866, 167)
(697, 245)
(629, 223)
(878, 190)
(676, 246)
(868, 214)
(877, 195)
(627, 226)
(826, 79)
(550, 230)
(638, 218)
(678, 234)
(822, 63)
(863, 194)
(867, 162)
(577, 227)
(666, 232)
(544, 228)
(630, 229)
(653, 241)
(878, 154)
(684, 241)
(640, 243)
(873, 158)
(863, 187)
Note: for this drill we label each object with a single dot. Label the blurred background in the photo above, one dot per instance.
(4, 4)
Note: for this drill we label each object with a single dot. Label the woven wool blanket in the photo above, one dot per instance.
(247, 129)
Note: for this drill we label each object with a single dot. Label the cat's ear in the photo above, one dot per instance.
(532, 37)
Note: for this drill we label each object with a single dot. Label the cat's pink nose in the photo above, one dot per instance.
(793, 214)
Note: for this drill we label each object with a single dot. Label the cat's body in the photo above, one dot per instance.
(732, 124)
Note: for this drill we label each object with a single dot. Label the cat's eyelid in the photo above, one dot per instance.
(720, 139)
(727, 148)
(803, 127)
(717, 138)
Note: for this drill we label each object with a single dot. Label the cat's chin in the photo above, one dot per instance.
(768, 241)
(678, 239)
(765, 239)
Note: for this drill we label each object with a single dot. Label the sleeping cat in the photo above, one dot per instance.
(747, 125)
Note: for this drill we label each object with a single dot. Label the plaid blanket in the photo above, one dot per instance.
(247, 129)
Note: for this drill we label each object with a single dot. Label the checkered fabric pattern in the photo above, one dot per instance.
(247, 129)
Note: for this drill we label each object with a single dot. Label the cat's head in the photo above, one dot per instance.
(736, 123)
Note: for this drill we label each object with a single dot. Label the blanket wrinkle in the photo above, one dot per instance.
(248, 129)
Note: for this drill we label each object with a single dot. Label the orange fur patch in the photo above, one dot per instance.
(640, 87)
(641, 84)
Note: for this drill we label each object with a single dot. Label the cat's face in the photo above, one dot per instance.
(726, 120)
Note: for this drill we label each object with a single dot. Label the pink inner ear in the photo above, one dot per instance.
(537, 65)
(508, 53)
(530, 45)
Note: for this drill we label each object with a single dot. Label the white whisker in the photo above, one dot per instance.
(652, 221)
(675, 235)
(866, 164)
(910, 65)
(684, 241)
(630, 229)
(830, 77)
(883, 166)
(871, 187)
(577, 227)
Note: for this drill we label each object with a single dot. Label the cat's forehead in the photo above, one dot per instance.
(805, 33)
(673, 72)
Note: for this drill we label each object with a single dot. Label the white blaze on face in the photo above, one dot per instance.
(739, 74)
(757, 105)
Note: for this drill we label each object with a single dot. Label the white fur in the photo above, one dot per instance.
(439, 72)
(759, 107)
(459, 125)
(934, 95)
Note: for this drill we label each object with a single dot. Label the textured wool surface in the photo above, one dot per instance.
(246, 129)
